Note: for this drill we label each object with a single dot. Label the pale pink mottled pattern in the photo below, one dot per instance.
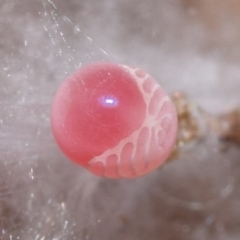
(149, 146)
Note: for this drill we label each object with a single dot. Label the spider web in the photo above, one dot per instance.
(43, 214)
(44, 196)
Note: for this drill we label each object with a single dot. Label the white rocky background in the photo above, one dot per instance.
(188, 45)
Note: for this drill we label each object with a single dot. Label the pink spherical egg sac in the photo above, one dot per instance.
(114, 120)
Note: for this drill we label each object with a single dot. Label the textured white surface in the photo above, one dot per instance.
(185, 45)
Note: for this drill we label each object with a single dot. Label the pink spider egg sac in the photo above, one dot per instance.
(114, 120)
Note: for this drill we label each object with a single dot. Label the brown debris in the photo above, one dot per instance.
(226, 126)
(188, 128)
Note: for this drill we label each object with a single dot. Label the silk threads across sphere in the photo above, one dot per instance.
(114, 120)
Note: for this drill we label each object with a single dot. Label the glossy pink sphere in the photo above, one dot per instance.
(114, 120)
